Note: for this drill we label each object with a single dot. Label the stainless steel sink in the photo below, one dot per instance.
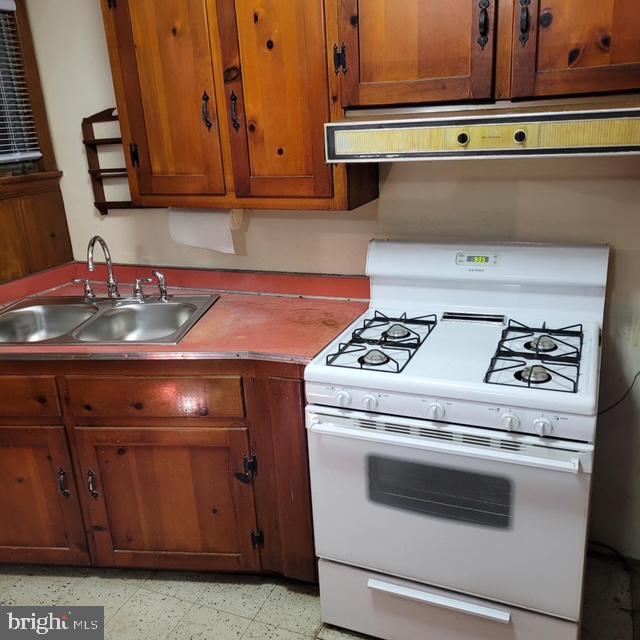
(41, 322)
(72, 320)
(138, 322)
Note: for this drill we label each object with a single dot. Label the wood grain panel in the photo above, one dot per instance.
(14, 259)
(282, 487)
(131, 396)
(419, 51)
(164, 495)
(577, 46)
(166, 60)
(47, 233)
(39, 523)
(276, 75)
(28, 396)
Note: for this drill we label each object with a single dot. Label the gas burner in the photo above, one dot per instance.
(535, 374)
(383, 342)
(396, 332)
(541, 344)
(550, 375)
(374, 358)
(538, 343)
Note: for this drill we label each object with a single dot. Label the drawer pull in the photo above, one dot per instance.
(444, 602)
(42, 399)
(138, 405)
(62, 483)
(91, 484)
(204, 411)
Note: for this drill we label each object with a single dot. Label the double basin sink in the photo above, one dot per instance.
(74, 320)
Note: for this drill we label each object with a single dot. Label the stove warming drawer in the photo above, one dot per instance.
(395, 609)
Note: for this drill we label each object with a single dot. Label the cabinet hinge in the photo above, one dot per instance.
(250, 468)
(135, 156)
(112, 4)
(257, 539)
(340, 58)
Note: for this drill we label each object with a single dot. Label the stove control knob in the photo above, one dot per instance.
(510, 421)
(435, 411)
(343, 398)
(542, 426)
(370, 402)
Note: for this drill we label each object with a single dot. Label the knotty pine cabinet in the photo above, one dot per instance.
(415, 51)
(203, 467)
(39, 508)
(222, 104)
(428, 51)
(575, 46)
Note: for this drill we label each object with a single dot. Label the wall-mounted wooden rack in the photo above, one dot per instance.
(97, 173)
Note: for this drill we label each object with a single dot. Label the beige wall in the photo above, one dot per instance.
(581, 201)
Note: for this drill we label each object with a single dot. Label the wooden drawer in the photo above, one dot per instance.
(175, 397)
(28, 396)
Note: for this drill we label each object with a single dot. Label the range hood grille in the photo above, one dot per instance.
(489, 134)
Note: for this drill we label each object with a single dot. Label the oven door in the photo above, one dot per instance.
(483, 512)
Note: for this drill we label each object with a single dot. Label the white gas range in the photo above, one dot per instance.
(451, 437)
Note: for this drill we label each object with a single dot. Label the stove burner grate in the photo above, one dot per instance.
(530, 375)
(559, 345)
(399, 335)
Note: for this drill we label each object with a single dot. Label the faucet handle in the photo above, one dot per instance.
(162, 285)
(137, 288)
(88, 289)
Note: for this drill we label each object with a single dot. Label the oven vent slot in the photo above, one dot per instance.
(436, 434)
(474, 317)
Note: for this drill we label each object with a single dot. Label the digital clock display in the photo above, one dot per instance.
(478, 259)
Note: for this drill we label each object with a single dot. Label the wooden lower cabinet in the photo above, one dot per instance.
(161, 483)
(39, 508)
(168, 498)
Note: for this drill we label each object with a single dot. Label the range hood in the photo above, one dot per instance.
(580, 127)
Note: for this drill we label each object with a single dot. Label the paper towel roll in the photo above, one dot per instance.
(202, 228)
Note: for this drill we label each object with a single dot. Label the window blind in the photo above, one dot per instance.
(18, 135)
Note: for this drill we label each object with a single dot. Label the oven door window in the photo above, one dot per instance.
(442, 492)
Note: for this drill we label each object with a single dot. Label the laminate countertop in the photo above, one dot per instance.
(242, 325)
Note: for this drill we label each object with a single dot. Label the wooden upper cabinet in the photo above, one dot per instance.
(575, 46)
(277, 96)
(415, 51)
(164, 54)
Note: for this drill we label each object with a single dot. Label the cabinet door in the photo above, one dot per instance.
(39, 507)
(168, 497)
(164, 52)
(277, 96)
(415, 50)
(575, 46)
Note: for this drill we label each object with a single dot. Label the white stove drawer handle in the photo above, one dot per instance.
(444, 602)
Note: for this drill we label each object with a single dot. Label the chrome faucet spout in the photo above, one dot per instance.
(112, 284)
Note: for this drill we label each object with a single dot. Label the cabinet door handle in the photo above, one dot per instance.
(234, 111)
(91, 484)
(62, 483)
(484, 23)
(206, 118)
(525, 21)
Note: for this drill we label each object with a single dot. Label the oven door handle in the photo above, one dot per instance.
(573, 463)
(444, 602)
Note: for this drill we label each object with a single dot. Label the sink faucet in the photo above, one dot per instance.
(162, 286)
(112, 285)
